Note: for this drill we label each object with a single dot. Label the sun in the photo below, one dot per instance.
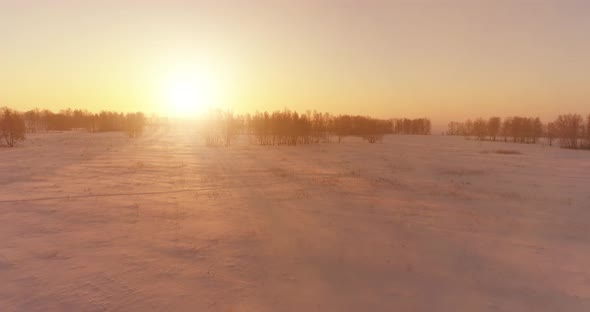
(188, 93)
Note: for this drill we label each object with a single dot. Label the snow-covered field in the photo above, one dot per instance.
(100, 222)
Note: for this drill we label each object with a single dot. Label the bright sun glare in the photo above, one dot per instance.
(190, 93)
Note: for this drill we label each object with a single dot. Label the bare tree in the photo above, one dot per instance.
(134, 124)
(494, 127)
(12, 126)
(537, 129)
(551, 132)
(517, 129)
(222, 127)
(468, 129)
(570, 129)
(453, 128)
(33, 121)
(480, 129)
(506, 128)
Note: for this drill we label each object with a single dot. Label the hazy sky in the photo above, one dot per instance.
(441, 59)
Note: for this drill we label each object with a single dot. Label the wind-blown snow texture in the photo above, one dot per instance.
(95, 222)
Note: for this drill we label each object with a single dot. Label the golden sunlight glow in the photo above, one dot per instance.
(191, 91)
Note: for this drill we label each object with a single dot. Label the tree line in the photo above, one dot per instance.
(288, 127)
(570, 129)
(421, 126)
(14, 125)
(45, 120)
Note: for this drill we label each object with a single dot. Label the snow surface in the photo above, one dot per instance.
(100, 222)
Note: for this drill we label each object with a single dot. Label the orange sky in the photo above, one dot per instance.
(443, 59)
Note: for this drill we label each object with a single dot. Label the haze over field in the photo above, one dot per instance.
(294, 155)
(94, 222)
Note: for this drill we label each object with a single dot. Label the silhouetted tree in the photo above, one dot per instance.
(33, 121)
(221, 128)
(480, 129)
(494, 125)
(506, 128)
(453, 128)
(551, 132)
(12, 126)
(569, 128)
(517, 129)
(468, 129)
(537, 129)
(420, 126)
(134, 124)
